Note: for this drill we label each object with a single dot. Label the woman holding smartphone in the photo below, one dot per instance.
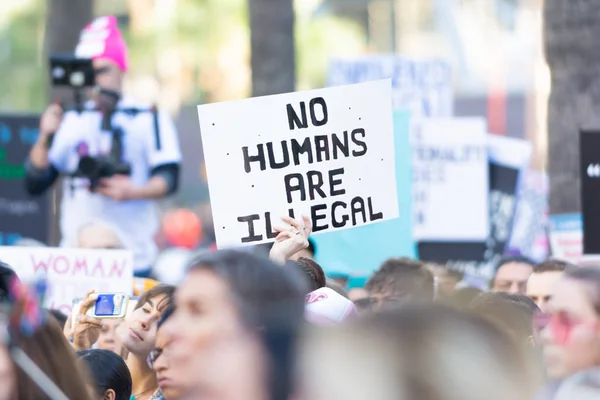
(137, 334)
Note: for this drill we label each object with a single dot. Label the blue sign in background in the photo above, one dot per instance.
(359, 251)
(21, 215)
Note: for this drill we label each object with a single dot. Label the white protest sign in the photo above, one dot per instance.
(71, 272)
(327, 153)
(451, 172)
(423, 86)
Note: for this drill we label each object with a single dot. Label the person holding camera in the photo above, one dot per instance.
(118, 155)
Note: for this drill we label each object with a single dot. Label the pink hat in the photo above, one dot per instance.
(325, 306)
(102, 39)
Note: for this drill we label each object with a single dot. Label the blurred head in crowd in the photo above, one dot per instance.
(138, 335)
(234, 327)
(49, 350)
(109, 338)
(542, 280)
(99, 235)
(447, 279)
(462, 298)
(308, 252)
(357, 294)
(418, 351)
(333, 285)
(312, 271)
(59, 317)
(110, 376)
(513, 313)
(7, 275)
(571, 330)
(512, 274)
(401, 280)
(102, 41)
(170, 385)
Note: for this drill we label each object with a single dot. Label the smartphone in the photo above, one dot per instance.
(109, 305)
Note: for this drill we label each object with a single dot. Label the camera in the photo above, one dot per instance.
(97, 168)
(68, 70)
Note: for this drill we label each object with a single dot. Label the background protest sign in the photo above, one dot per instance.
(508, 158)
(589, 171)
(450, 171)
(72, 272)
(565, 232)
(422, 86)
(529, 237)
(360, 251)
(20, 214)
(328, 154)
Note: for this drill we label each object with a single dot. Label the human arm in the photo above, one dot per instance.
(40, 174)
(163, 181)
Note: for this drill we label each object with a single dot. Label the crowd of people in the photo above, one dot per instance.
(240, 325)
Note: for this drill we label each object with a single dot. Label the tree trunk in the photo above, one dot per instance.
(571, 32)
(272, 45)
(65, 20)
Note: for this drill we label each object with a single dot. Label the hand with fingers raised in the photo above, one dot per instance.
(291, 239)
(86, 329)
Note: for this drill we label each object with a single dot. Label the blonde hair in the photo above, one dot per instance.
(418, 352)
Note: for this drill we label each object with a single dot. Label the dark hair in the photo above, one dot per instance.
(59, 317)
(406, 278)
(165, 315)
(590, 277)
(513, 259)
(108, 371)
(551, 265)
(7, 274)
(514, 313)
(312, 270)
(260, 287)
(159, 290)
(336, 287)
(312, 246)
(270, 300)
(49, 350)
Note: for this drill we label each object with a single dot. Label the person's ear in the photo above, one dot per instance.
(110, 395)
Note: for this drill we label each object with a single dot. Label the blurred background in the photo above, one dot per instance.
(188, 52)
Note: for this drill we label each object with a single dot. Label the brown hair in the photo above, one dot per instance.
(551, 265)
(313, 271)
(407, 278)
(49, 350)
(159, 290)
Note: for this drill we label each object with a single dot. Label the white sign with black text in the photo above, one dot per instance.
(327, 154)
(451, 173)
